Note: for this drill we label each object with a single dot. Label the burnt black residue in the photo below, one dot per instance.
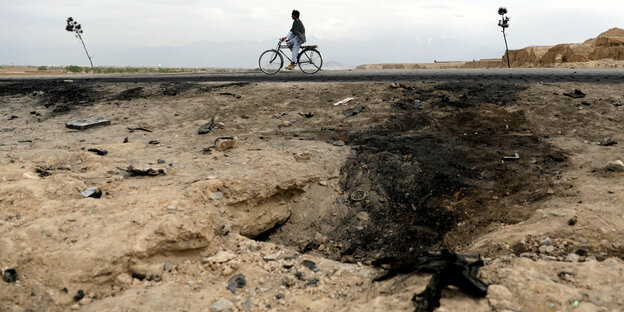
(402, 177)
(60, 96)
(130, 94)
(432, 175)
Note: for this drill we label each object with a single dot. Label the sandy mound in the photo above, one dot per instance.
(607, 46)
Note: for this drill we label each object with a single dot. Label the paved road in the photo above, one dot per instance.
(525, 75)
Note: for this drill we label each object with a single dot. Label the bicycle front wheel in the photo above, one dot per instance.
(270, 62)
(310, 61)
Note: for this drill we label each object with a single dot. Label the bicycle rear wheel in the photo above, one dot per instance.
(310, 61)
(270, 62)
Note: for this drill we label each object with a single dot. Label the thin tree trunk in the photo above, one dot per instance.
(85, 48)
(506, 48)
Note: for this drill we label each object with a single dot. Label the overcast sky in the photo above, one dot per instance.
(219, 33)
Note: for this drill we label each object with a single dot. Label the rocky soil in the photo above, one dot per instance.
(286, 201)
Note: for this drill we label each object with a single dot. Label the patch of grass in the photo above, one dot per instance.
(73, 68)
(42, 68)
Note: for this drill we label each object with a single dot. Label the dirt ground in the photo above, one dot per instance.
(399, 169)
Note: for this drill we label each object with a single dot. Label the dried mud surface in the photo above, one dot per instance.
(399, 169)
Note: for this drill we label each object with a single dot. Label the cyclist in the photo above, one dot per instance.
(295, 38)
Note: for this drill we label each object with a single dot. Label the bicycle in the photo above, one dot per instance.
(309, 59)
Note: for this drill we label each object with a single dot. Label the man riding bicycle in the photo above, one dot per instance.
(295, 38)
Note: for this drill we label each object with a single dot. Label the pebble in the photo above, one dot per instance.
(168, 266)
(216, 196)
(572, 258)
(221, 257)
(615, 166)
(273, 256)
(248, 305)
(363, 216)
(222, 305)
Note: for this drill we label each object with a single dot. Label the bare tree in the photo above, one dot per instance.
(504, 24)
(73, 26)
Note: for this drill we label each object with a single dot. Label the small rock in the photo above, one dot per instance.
(68, 81)
(237, 281)
(303, 156)
(161, 161)
(79, 295)
(248, 305)
(10, 275)
(225, 143)
(572, 221)
(339, 143)
(221, 257)
(289, 281)
(615, 166)
(547, 241)
(273, 256)
(222, 305)
(216, 196)
(362, 216)
(287, 123)
(167, 266)
(572, 258)
(93, 192)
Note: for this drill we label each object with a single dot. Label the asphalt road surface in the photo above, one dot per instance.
(524, 75)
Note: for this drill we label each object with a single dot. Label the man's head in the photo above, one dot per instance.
(295, 14)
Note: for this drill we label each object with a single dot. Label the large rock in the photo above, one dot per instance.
(608, 45)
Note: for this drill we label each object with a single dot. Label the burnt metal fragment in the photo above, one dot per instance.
(207, 127)
(448, 269)
(98, 151)
(353, 112)
(577, 94)
(87, 123)
(310, 265)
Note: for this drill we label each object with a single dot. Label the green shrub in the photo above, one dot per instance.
(42, 68)
(73, 68)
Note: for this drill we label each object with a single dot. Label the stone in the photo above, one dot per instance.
(572, 258)
(225, 143)
(10, 275)
(363, 216)
(206, 128)
(167, 266)
(615, 166)
(216, 196)
(222, 305)
(87, 123)
(547, 241)
(248, 305)
(303, 156)
(79, 295)
(236, 281)
(220, 257)
(273, 256)
(93, 192)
